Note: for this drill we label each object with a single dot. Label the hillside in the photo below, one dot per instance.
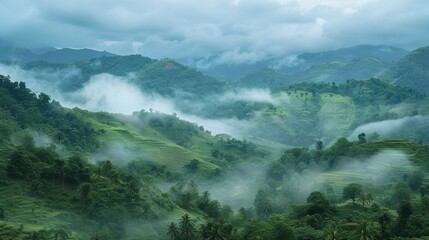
(12, 53)
(73, 173)
(410, 71)
(165, 76)
(264, 78)
(384, 53)
(338, 71)
(301, 62)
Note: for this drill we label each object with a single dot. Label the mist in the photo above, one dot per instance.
(247, 95)
(238, 186)
(114, 94)
(120, 153)
(413, 128)
(377, 170)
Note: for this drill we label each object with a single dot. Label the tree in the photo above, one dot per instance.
(364, 231)
(423, 189)
(215, 230)
(362, 138)
(352, 191)
(84, 190)
(280, 229)
(36, 188)
(404, 212)
(262, 204)
(2, 213)
(187, 228)
(401, 193)
(332, 232)
(59, 234)
(317, 203)
(192, 166)
(319, 145)
(173, 231)
(384, 220)
(415, 180)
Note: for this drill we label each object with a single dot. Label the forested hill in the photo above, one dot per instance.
(13, 53)
(22, 109)
(165, 76)
(411, 71)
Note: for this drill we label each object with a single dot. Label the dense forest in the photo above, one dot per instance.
(337, 148)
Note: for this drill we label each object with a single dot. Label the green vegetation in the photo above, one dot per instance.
(410, 71)
(75, 174)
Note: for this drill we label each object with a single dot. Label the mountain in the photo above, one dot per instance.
(68, 55)
(10, 52)
(165, 76)
(13, 53)
(298, 64)
(78, 174)
(385, 53)
(265, 78)
(334, 71)
(341, 71)
(411, 71)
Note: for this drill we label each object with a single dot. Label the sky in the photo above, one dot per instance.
(229, 30)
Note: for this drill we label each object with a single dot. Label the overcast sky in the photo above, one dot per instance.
(237, 30)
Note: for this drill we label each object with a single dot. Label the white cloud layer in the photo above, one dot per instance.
(228, 30)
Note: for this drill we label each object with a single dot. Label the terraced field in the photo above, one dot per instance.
(25, 213)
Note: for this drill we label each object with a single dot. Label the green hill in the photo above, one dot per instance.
(264, 78)
(335, 71)
(165, 76)
(73, 173)
(11, 52)
(410, 71)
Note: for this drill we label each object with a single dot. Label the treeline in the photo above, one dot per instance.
(398, 209)
(363, 92)
(22, 109)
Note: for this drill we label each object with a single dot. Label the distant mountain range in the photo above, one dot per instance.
(411, 70)
(292, 65)
(166, 76)
(13, 53)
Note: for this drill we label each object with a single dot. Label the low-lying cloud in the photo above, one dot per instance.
(109, 93)
(414, 127)
(248, 95)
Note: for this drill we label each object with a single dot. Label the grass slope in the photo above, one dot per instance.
(145, 140)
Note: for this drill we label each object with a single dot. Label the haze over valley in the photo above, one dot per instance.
(235, 120)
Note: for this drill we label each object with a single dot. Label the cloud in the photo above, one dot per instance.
(106, 92)
(413, 127)
(225, 30)
(109, 93)
(247, 95)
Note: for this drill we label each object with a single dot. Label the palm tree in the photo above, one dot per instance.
(107, 166)
(39, 235)
(59, 234)
(85, 189)
(173, 231)
(362, 199)
(267, 209)
(213, 230)
(96, 237)
(369, 198)
(365, 232)
(186, 200)
(36, 188)
(59, 167)
(384, 220)
(114, 176)
(332, 232)
(187, 228)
